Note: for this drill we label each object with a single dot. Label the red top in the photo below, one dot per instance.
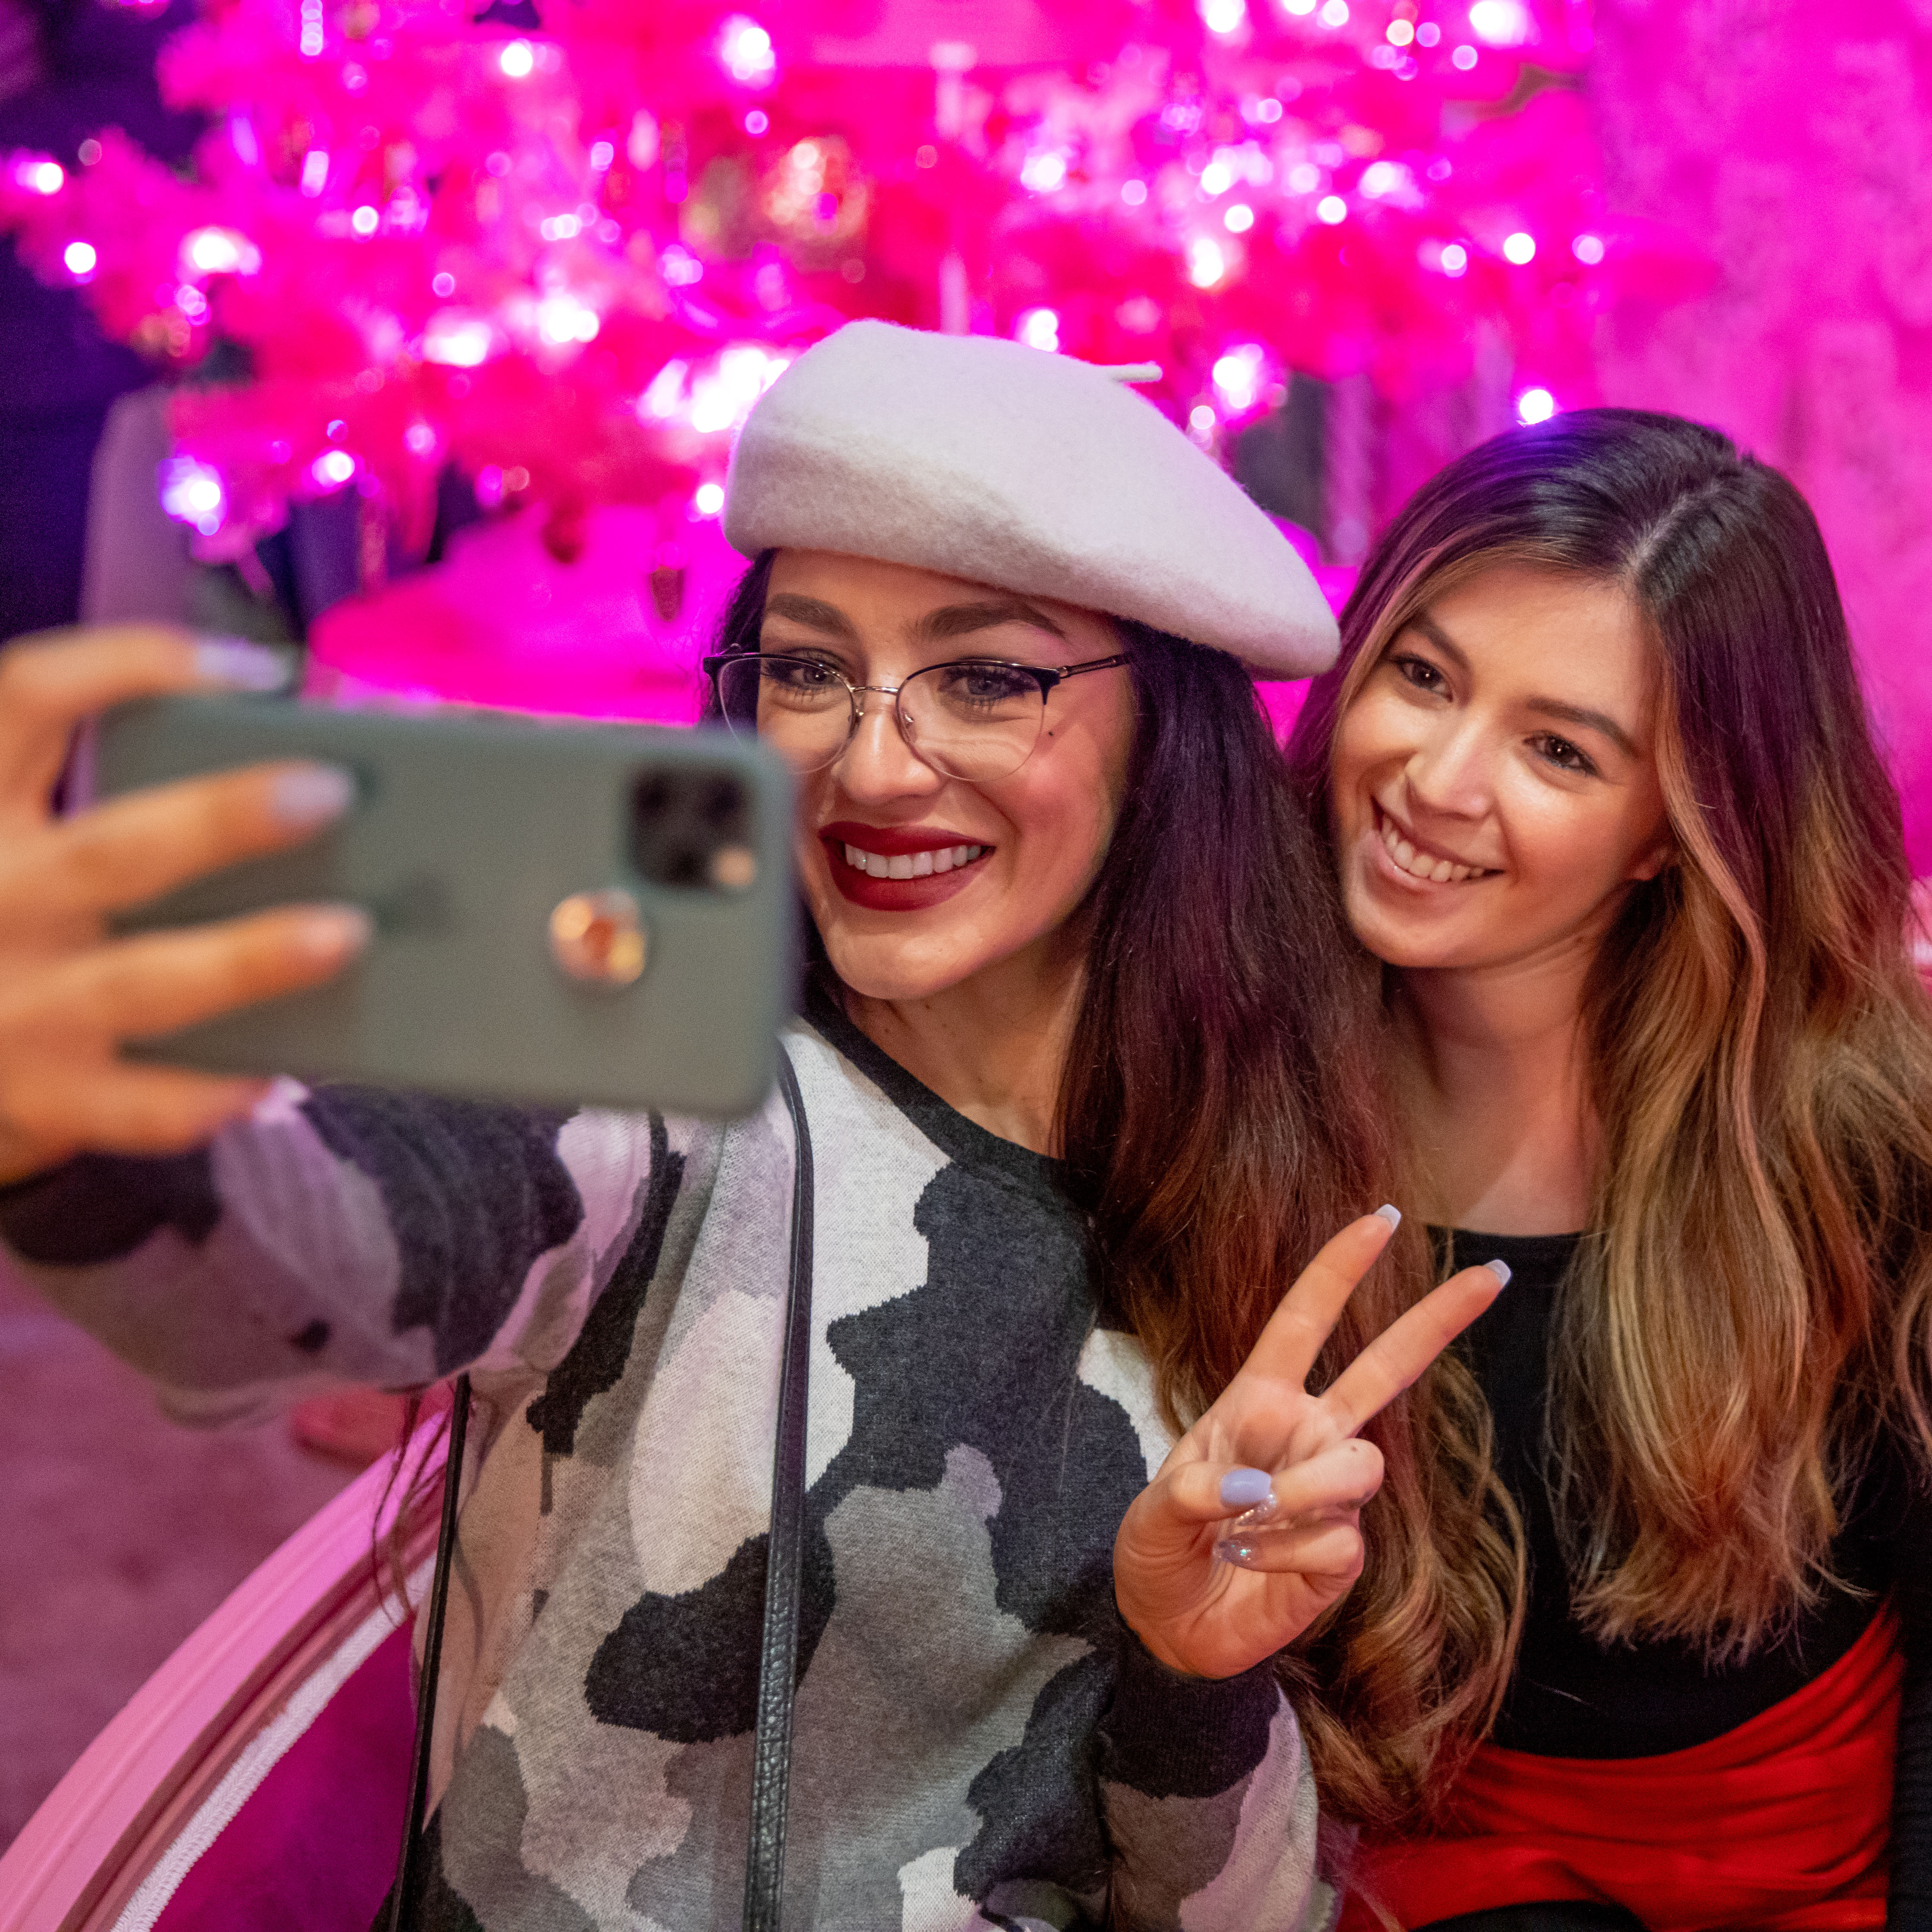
(1780, 1826)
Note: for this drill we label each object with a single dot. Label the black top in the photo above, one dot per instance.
(1574, 1696)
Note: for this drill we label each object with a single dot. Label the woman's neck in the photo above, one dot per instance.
(994, 1046)
(1494, 1081)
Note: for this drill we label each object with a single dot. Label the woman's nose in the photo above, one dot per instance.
(877, 763)
(1450, 771)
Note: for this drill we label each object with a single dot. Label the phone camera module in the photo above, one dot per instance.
(692, 828)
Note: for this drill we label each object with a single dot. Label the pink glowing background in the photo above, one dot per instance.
(562, 261)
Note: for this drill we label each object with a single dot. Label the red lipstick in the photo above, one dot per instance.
(932, 888)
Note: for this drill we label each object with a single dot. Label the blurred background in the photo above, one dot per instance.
(415, 338)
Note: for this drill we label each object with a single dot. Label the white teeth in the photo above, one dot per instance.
(911, 865)
(1438, 871)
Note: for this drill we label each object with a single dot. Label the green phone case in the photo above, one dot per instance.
(473, 843)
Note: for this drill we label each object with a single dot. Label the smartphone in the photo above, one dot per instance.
(564, 914)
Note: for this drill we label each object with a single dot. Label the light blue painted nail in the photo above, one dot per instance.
(312, 794)
(1390, 1213)
(1242, 1488)
(241, 664)
(1501, 1270)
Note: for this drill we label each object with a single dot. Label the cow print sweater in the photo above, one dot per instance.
(980, 1742)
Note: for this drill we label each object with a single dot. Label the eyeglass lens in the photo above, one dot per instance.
(975, 720)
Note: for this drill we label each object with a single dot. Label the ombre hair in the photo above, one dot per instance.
(1750, 1309)
(1221, 1115)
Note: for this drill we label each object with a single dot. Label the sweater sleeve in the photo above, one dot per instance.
(347, 1234)
(1209, 1801)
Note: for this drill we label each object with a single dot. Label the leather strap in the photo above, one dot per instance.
(778, 1662)
(432, 1665)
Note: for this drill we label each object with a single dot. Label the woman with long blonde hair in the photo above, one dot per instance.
(1605, 805)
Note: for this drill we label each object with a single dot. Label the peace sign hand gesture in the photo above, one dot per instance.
(1212, 1598)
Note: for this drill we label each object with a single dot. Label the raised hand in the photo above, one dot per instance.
(1252, 1528)
(70, 994)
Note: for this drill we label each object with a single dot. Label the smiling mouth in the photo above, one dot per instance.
(1424, 865)
(911, 865)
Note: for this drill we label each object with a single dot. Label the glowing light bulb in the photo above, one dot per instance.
(1462, 59)
(1043, 171)
(1503, 23)
(419, 438)
(1133, 193)
(745, 51)
(1535, 406)
(1520, 248)
(1334, 14)
(1332, 209)
(1401, 33)
(1206, 263)
(1201, 421)
(80, 259)
(1455, 260)
(1382, 178)
(365, 221)
(563, 318)
(1588, 249)
(333, 468)
(708, 499)
(443, 283)
(1299, 7)
(457, 339)
(1239, 219)
(1223, 17)
(217, 251)
(39, 175)
(1239, 376)
(1304, 177)
(518, 60)
(659, 402)
(192, 493)
(1039, 328)
(1216, 178)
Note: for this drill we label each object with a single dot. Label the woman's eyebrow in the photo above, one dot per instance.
(1440, 638)
(815, 615)
(961, 620)
(1594, 721)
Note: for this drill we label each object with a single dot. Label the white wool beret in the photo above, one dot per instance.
(1009, 466)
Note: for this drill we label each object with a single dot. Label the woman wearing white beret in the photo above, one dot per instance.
(1086, 1090)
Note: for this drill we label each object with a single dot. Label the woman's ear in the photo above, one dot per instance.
(1650, 862)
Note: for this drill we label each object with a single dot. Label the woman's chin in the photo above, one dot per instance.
(896, 966)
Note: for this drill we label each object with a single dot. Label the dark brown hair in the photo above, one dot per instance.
(1220, 1116)
(1755, 1301)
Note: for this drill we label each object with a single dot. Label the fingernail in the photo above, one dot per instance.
(1390, 1213)
(334, 932)
(1238, 1551)
(1501, 1270)
(1242, 1488)
(240, 664)
(312, 794)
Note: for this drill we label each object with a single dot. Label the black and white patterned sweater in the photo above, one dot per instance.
(979, 1740)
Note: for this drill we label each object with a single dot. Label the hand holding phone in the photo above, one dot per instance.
(563, 913)
(70, 992)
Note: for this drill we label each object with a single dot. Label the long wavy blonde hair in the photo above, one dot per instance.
(1752, 1309)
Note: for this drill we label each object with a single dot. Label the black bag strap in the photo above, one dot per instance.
(432, 1665)
(778, 1660)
